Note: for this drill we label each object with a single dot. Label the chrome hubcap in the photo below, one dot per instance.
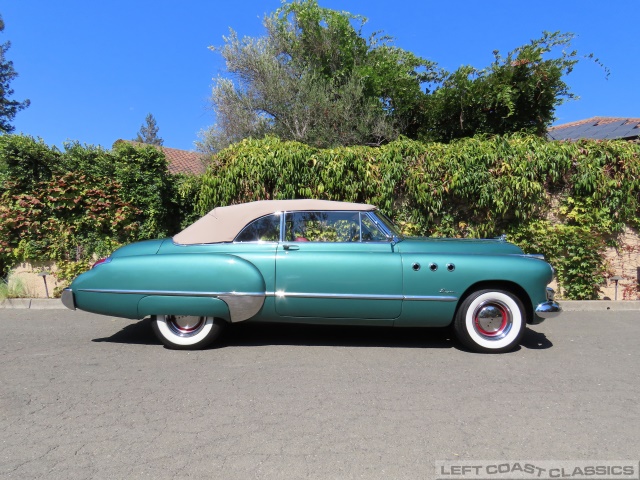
(492, 320)
(185, 325)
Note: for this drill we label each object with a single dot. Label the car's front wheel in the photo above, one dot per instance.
(490, 321)
(186, 332)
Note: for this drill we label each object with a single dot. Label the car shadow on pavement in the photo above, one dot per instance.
(258, 334)
(533, 340)
(137, 333)
(247, 334)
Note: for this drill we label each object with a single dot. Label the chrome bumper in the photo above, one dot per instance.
(67, 299)
(548, 309)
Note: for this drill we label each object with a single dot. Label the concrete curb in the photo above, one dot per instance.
(567, 305)
(46, 304)
(598, 305)
(33, 303)
(16, 303)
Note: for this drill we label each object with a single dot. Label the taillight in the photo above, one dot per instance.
(101, 261)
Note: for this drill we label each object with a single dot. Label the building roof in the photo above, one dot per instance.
(223, 224)
(178, 161)
(597, 128)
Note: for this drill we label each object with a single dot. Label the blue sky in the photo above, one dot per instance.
(93, 70)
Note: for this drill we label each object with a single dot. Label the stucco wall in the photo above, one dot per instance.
(624, 262)
(28, 273)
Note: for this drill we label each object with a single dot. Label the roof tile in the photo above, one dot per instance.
(597, 128)
(179, 161)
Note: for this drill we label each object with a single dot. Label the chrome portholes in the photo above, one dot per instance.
(492, 320)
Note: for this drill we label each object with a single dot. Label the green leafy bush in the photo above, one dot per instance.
(13, 287)
(83, 202)
(565, 200)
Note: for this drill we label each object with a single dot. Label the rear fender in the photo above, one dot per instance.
(135, 286)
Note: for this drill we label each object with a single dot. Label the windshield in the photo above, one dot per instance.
(388, 224)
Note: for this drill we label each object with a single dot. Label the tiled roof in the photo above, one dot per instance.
(599, 128)
(179, 161)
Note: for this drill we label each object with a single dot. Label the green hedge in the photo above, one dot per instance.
(565, 200)
(84, 201)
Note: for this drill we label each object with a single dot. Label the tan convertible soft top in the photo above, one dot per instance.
(222, 224)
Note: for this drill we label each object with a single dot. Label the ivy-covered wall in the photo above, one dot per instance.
(569, 201)
(73, 205)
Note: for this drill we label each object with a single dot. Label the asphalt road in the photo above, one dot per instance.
(84, 396)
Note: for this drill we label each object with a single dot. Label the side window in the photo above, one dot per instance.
(371, 232)
(264, 229)
(323, 227)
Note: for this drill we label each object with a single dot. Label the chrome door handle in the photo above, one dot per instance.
(291, 247)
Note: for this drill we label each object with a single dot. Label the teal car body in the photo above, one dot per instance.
(317, 262)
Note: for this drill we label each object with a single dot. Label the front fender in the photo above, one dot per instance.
(445, 276)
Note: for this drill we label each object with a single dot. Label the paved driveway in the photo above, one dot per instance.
(84, 396)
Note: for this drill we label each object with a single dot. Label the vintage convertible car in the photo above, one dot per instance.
(316, 261)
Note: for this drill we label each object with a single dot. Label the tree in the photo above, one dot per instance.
(516, 93)
(8, 108)
(314, 78)
(148, 132)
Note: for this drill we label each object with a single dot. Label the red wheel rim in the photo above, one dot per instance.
(185, 325)
(492, 320)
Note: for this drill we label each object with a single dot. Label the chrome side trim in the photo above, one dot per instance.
(549, 309)
(172, 293)
(244, 305)
(279, 294)
(67, 299)
(434, 298)
(363, 296)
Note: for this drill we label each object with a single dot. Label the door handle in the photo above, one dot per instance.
(291, 247)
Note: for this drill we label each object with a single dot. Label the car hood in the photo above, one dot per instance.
(458, 245)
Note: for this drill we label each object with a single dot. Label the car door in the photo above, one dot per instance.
(331, 267)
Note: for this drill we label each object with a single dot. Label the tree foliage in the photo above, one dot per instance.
(313, 78)
(516, 93)
(8, 108)
(148, 132)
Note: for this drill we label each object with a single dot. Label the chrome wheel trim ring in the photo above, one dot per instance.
(492, 320)
(185, 325)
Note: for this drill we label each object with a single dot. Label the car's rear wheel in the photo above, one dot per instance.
(186, 332)
(490, 321)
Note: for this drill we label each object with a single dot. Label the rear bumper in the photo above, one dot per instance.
(68, 299)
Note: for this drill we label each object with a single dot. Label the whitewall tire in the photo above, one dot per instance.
(186, 332)
(490, 321)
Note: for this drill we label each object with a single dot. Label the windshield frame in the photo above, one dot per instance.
(386, 225)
